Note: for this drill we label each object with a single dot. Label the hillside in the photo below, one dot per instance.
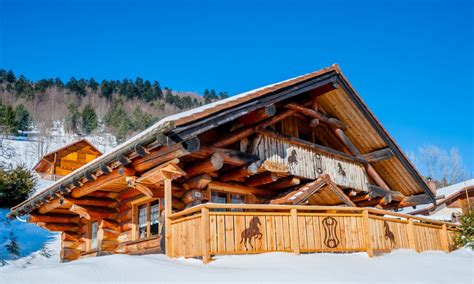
(85, 106)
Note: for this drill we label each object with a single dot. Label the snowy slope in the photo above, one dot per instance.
(401, 266)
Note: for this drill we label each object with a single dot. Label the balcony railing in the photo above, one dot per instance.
(220, 229)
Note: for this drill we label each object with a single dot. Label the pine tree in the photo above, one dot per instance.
(89, 119)
(10, 77)
(22, 118)
(74, 117)
(465, 235)
(13, 248)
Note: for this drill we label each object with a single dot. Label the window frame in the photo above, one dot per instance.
(135, 218)
(89, 245)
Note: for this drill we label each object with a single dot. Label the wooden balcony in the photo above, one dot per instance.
(220, 229)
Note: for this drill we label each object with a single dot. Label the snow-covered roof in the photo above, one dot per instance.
(447, 192)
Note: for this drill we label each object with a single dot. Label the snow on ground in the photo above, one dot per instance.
(30, 237)
(401, 266)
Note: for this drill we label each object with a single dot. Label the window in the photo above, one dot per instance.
(93, 229)
(224, 197)
(147, 220)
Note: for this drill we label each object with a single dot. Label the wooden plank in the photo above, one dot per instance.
(271, 239)
(294, 231)
(411, 235)
(310, 232)
(213, 233)
(221, 234)
(205, 235)
(302, 232)
(240, 226)
(229, 233)
(286, 233)
(280, 242)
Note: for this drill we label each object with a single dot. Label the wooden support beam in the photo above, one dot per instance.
(93, 201)
(261, 179)
(143, 189)
(166, 153)
(354, 151)
(103, 194)
(317, 115)
(51, 205)
(198, 182)
(168, 212)
(258, 115)
(59, 227)
(53, 218)
(231, 157)
(377, 191)
(102, 181)
(414, 200)
(243, 132)
(283, 183)
(379, 155)
(211, 164)
(240, 174)
(238, 189)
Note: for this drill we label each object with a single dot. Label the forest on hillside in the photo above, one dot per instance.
(84, 106)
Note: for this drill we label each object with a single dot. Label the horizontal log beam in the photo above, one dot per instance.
(59, 227)
(53, 218)
(243, 132)
(231, 157)
(377, 191)
(238, 189)
(261, 179)
(211, 164)
(166, 153)
(379, 155)
(102, 181)
(198, 182)
(94, 201)
(283, 183)
(317, 115)
(258, 115)
(240, 174)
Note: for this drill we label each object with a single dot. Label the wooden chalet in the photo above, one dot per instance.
(65, 160)
(299, 166)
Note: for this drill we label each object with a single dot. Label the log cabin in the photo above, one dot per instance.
(63, 161)
(298, 166)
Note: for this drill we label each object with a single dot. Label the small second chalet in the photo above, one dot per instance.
(298, 166)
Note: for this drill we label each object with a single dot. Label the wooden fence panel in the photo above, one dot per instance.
(239, 232)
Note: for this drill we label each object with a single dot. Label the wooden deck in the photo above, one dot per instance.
(219, 229)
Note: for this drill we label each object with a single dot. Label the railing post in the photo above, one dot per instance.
(411, 235)
(168, 208)
(295, 241)
(205, 235)
(367, 234)
(444, 238)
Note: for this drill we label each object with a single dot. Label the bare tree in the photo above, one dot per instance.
(444, 167)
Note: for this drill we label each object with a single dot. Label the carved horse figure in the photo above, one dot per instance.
(251, 232)
(388, 234)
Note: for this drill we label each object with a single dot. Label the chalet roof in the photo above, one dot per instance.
(451, 193)
(70, 147)
(343, 102)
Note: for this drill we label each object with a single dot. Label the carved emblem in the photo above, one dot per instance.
(340, 170)
(330, 234)
(292, 158)
(251, 232)
(318, 163)
(388, 234)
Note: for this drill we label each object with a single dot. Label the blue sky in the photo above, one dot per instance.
(411, 61)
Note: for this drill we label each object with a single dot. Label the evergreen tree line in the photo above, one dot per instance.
(127, 88)
(14, 119)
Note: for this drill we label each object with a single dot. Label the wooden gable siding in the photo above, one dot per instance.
(366, 139)
(310, 164)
